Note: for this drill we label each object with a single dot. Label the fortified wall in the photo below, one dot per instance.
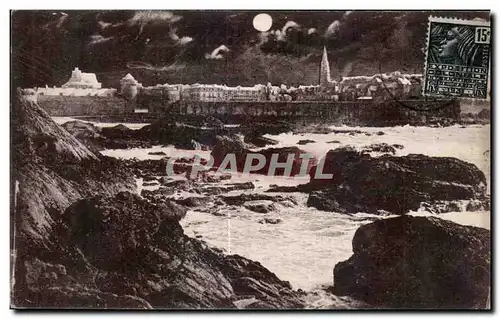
(368, 113)
(58, 105)
(372, 113)
(83, 96)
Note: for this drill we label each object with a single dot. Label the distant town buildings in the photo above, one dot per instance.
(393, 85)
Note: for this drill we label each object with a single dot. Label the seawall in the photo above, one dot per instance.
(57, 105)
(370, 113)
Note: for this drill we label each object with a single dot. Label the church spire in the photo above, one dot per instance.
(324, 72)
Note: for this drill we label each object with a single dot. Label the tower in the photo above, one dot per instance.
(324, 71)
(129, 87)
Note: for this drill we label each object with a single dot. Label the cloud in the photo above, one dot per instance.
(292, 38)
(311, 31)
(185, 40)
(104, 25)
(97, 39)
(143, 18)
(279, 35)
(217, 53)
(178, 40)
(332, 28)
(290, 24)
(147, 66)
(57, 20)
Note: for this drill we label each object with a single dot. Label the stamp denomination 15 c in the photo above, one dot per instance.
(458, 58)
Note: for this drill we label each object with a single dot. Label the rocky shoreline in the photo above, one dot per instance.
(73, 249)
(85, 239)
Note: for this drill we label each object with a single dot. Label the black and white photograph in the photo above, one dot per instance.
(250, 160)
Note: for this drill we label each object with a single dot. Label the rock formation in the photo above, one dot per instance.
(396, 185)
(234, 145)
(97, 139)
(83, 239)
(417, 262)
(168, 131)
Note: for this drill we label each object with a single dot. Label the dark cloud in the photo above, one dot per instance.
(218, 53)
(214, 46)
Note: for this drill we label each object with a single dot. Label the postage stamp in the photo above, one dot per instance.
(457, 58)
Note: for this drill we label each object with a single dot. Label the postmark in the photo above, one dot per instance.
(457, 62)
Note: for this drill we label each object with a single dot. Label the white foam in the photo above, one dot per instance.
(307, 244)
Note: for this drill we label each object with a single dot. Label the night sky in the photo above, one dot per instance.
(215, 47)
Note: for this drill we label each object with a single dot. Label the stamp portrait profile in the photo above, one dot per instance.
(457, 58)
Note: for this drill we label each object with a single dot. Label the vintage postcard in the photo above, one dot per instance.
(290, 160)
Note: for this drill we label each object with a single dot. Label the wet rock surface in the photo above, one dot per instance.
(304, 142)
(417, 262)
(272, 221)
(143, 251)
(85, 240)
(240, 199)
(262, 206)
(182, 135)
(160, 153)
(380, 148)
(226, 145)
(87, 133)
(258, 140)
(362, 183)
(96, 138)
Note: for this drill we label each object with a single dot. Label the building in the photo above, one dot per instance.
(80, 80)
(218, 93)
(173, 91)
(203, 92)
(324, 70)
(246, 93)
(129, 87)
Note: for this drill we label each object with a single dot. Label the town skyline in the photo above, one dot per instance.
(384, 85)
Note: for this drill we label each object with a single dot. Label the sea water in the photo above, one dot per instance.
(305, 246)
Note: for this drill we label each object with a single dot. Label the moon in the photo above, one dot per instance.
(262, 22)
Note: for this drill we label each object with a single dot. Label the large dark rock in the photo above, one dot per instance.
(417, 262)
(77, 245)
(87, 133)
(119, 131)
(139, 248)
(306, 141)
(194, 201)
(258, 140)
(50, 170)
(240, 199)
(261, 206)
(234, 145)
(224, 189)
(362, 183)
(181, 135)
(53, 169)
(96, 138)
(380, 148)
